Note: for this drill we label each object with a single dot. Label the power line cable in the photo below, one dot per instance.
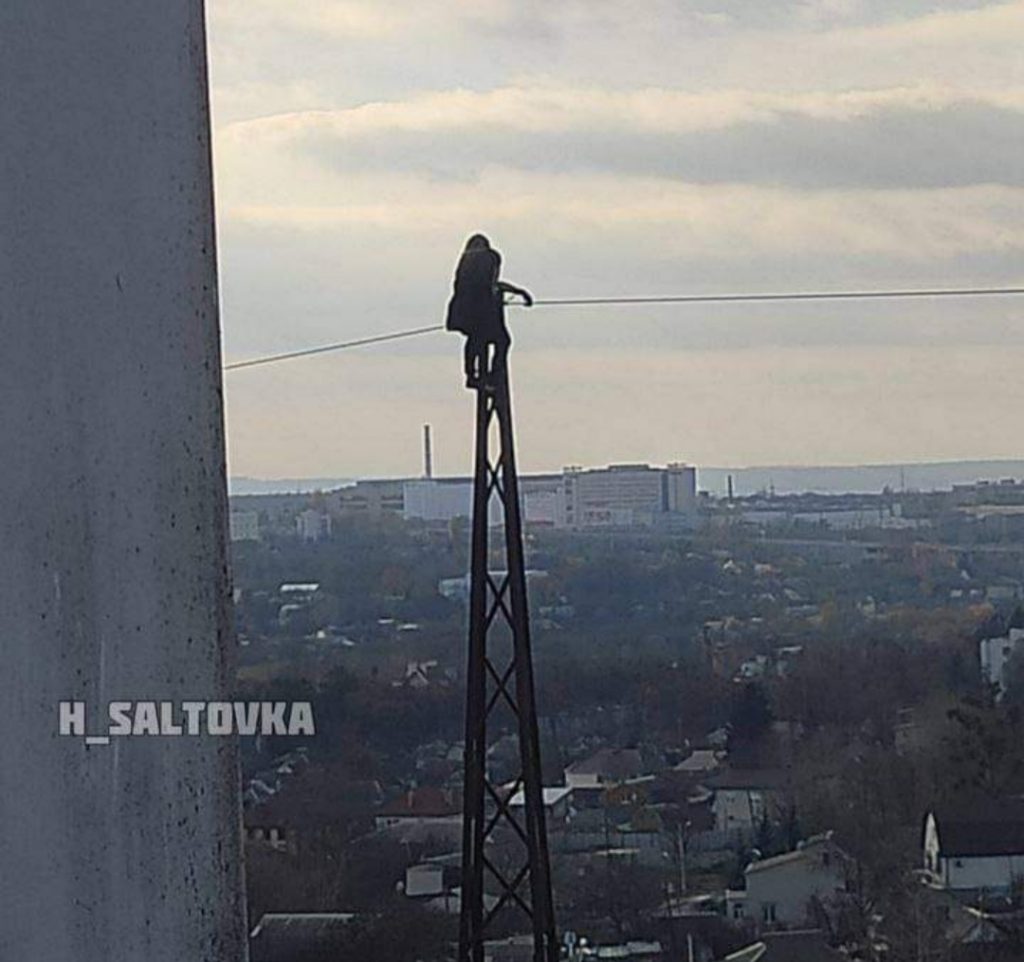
(807, 296)
(656, 299)
(343, 345)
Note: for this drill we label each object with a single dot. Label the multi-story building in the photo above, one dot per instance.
(619, 495)
(442, 499)
(371, 499)
(626, 494)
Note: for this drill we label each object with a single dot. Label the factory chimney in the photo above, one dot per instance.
(428, 459)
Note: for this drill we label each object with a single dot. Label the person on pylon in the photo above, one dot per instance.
(477, 310)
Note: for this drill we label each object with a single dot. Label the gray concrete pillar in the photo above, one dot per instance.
(113, 575)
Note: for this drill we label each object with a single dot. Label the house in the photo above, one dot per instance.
(426, 816)
(435, 884)
(317, 806)
(805, 945)
(744, 798)
(557, 806)
(701, 761)
(418, 805)
(795, 888)
(966, 933)
(608, 766)
(976, 848)
(285, 936)
(997, 645)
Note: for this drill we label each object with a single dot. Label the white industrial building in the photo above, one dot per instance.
(621, 495)
(626, 494)
(438, 499)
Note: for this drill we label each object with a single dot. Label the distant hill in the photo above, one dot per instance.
(857, 479)
(284, 485)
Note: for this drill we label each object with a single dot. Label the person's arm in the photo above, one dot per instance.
(507, 288)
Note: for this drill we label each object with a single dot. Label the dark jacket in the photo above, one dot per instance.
(476, 307)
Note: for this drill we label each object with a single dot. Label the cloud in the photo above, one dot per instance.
(923, 136)
(796, 405)
(664, 147)
(731, 221)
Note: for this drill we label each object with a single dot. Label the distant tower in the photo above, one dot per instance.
(428, 457)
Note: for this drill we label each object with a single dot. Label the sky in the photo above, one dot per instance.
(622, 148)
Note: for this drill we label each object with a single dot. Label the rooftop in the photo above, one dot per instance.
(800, 945)
(613, 764)
(281, 937)
(552, 796)
(993, 828)
(804, 850)
(754, 778)
(423, 802)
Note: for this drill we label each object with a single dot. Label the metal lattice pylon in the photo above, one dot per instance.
(500, 679)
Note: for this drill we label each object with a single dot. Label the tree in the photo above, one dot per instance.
(751, 713)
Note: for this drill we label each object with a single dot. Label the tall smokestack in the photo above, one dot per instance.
(428, 460)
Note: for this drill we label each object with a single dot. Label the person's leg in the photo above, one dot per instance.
(473, 361)
(500, 356)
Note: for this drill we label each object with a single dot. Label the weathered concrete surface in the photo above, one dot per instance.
(113, 581)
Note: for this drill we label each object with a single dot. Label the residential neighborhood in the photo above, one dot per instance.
(757, 742)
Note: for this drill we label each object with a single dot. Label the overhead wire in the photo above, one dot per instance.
(793, 296)
(341, 346)
(654, 299)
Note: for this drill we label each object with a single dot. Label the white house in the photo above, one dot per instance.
(425, 879)
(795, 888)
(994, 653)
(975, 849)
(557, 805)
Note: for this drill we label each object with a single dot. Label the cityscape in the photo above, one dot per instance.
(773, 725)
(512, 481)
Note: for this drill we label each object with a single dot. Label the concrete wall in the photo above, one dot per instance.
(113, 581)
